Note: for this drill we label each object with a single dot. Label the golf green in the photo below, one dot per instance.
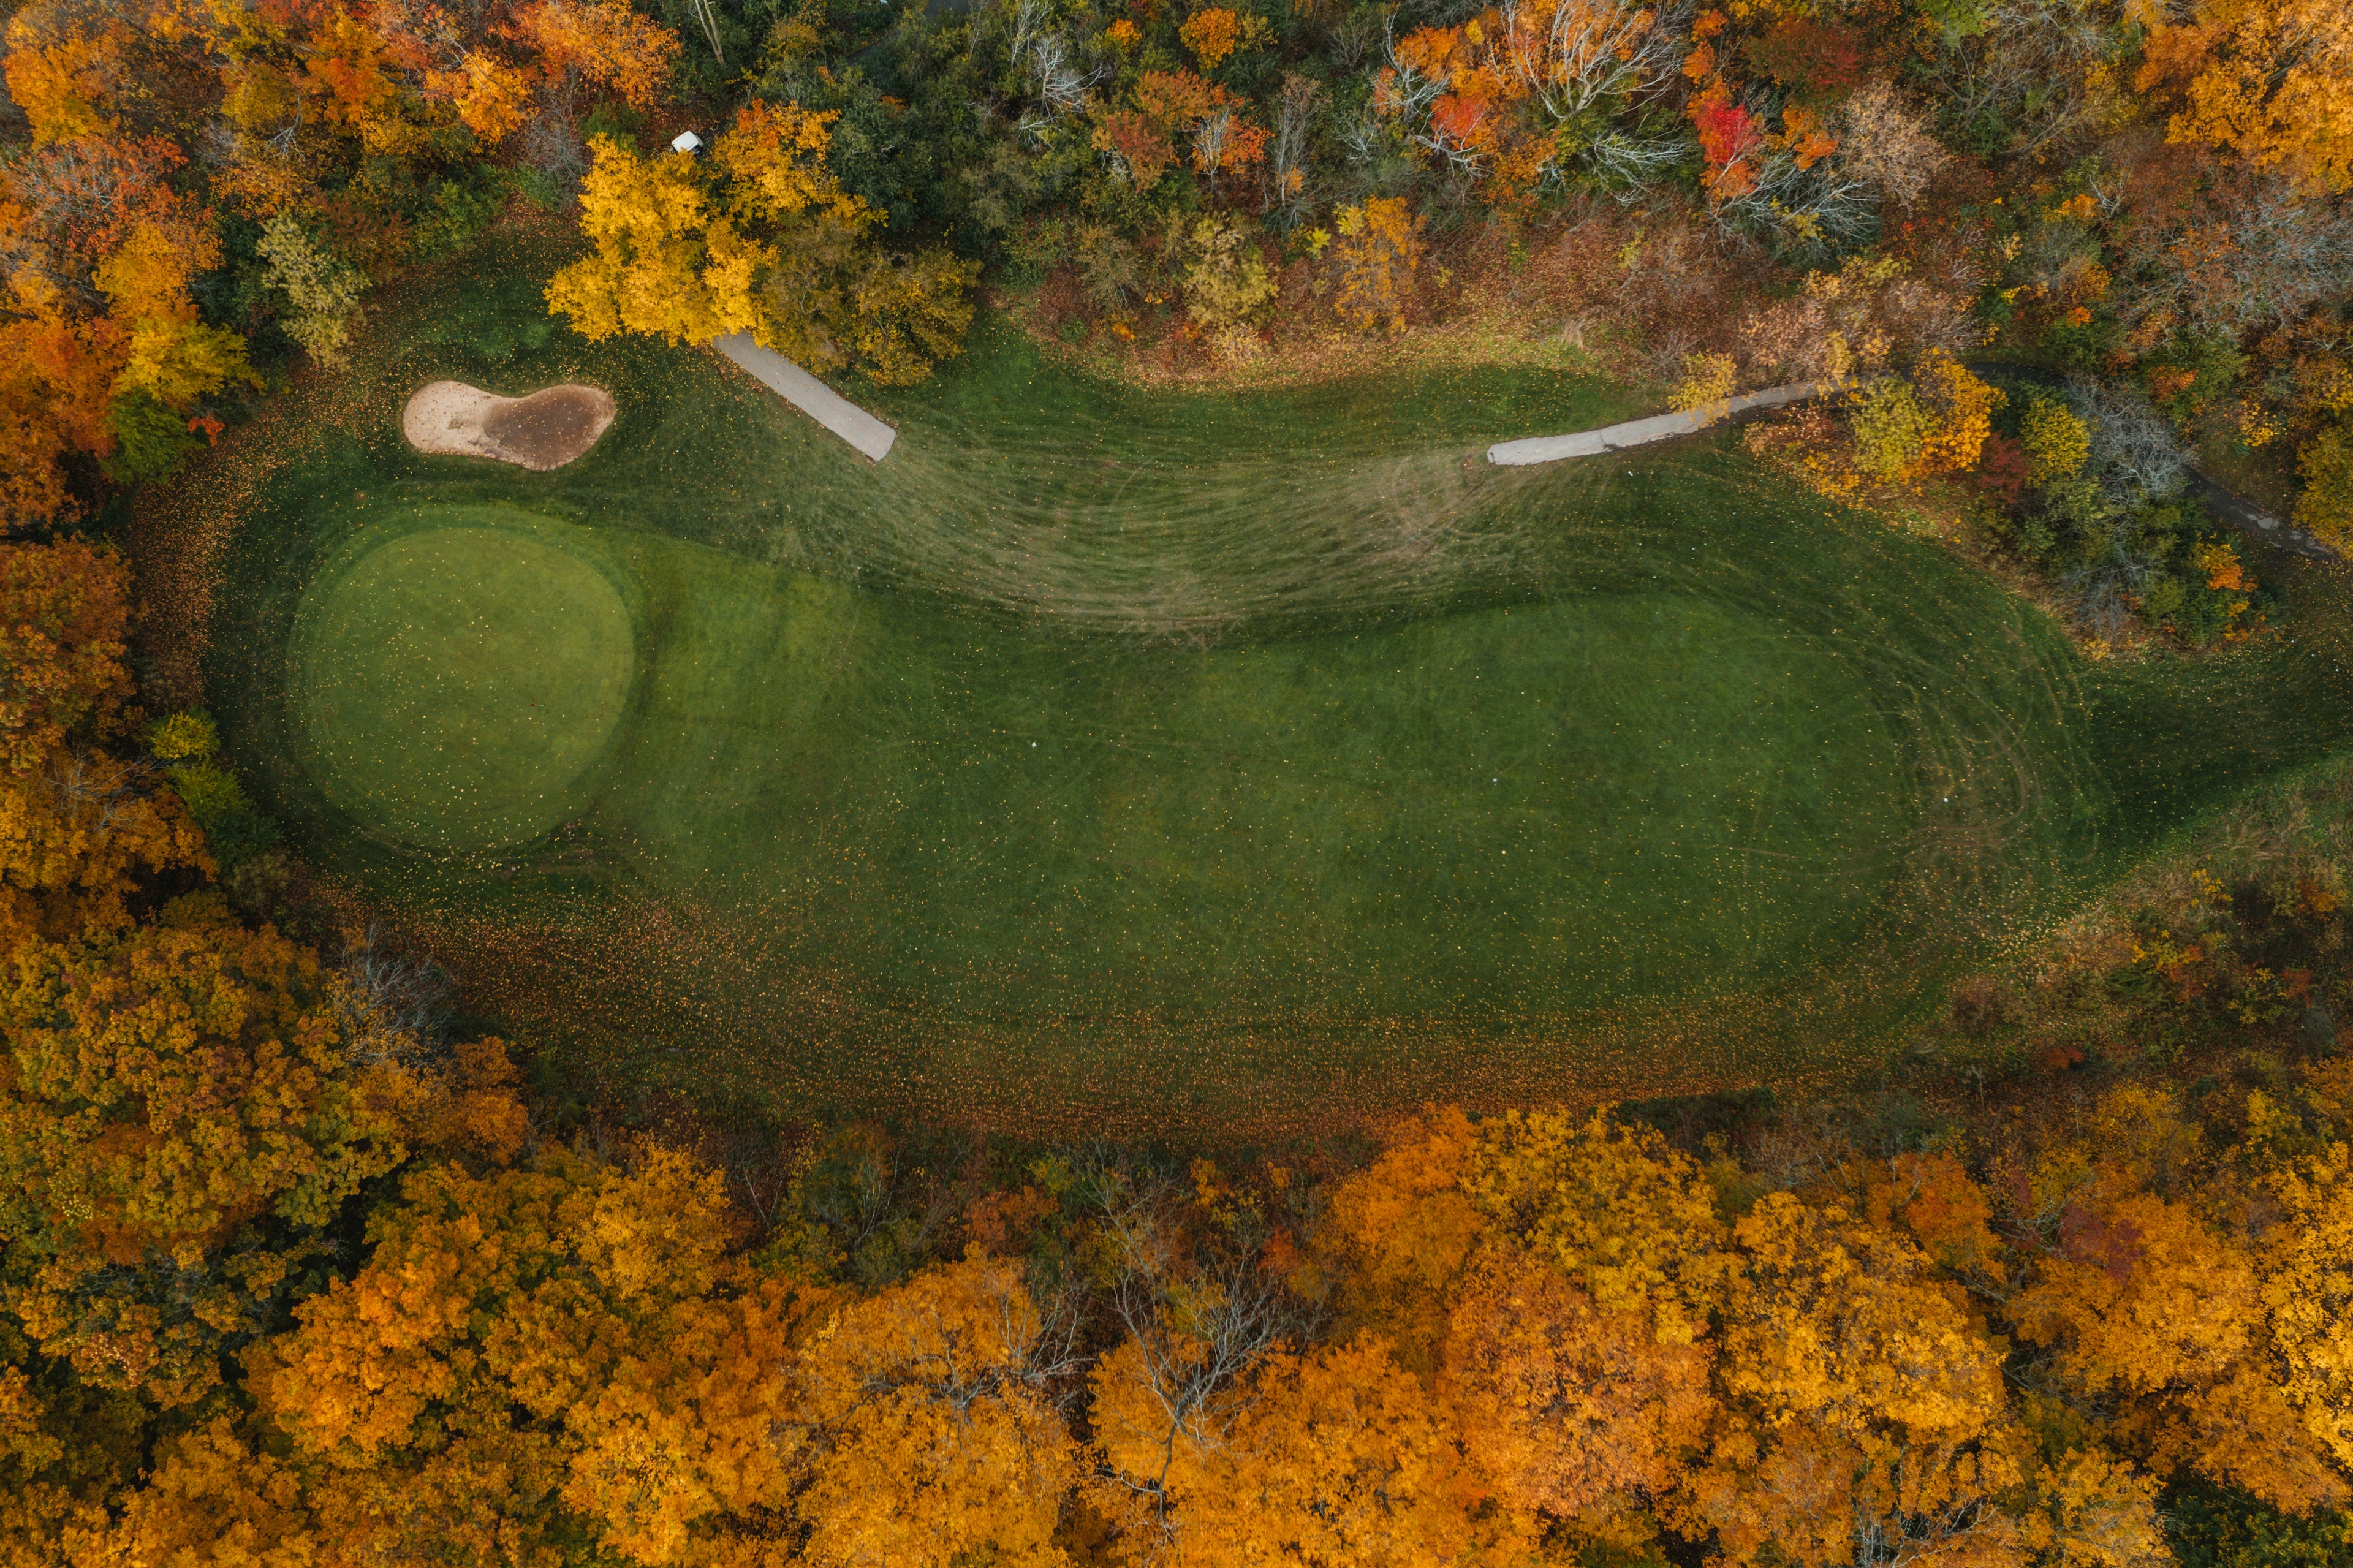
(1173, 757)
(457, 681)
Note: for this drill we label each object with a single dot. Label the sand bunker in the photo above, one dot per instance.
(545, 430)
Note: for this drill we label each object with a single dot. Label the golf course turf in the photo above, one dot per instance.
(1177, 757)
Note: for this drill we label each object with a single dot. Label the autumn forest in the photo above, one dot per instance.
(842, 783)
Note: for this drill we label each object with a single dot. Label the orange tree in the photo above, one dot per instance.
(77, 825)
(177, 1124)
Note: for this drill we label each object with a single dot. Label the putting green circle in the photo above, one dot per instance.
(455, 683)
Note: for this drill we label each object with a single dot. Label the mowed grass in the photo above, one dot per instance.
(1182, 757)
(457, 681)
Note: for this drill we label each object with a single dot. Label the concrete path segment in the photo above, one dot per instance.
(1635, 432)
(811, 396)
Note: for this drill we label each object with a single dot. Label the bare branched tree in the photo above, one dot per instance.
(394, 1006)
(2028, 74)
(1200, 1320)
(2134, 455)
(1296, 108)
(1885, 140)
(92, 789)
(1572, 55)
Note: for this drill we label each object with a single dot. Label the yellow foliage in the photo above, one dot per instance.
(2270, 80)
(74, 837)
(64, 608)
(2145, 1297)
(214, 1503)
(908, 312)
(1337, 1458)
(1375, 261)
(1963, 409)
(1890, 427)
(1707, 379)
(2056, 442)
(1627, 1219)
(672, 260)
(939, 1445)
(1227, 288)
(2095, 1512)
(322, 288)
(1398, 1232)
(62, 82)
(161, 1092)
(2306, 1291)
(1564, 1408)
(1214, 33)
(1935, 423)
(2325, 508)
(666, 264)
(1845, 1328)
(775, 161)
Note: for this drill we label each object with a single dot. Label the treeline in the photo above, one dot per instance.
(297, 1272)
(2144, 206)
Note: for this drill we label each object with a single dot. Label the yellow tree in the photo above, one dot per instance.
(1566, 1408)
(2306, 1286)
(568, 1331)
(2325, 505)
(1374, 262)
(1396, 1233)
(75, 825)
(213, 1502)
(777, 250)
(667, 263)
(63, 609)
(2146, 1305)
(1862, 1403)
(167, 1098)
(1625, 1217)
(1337, 1458)
(933, 1442)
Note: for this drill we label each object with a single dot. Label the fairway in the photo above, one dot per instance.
(1175, 757)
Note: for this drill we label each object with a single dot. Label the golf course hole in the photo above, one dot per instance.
(455, 683)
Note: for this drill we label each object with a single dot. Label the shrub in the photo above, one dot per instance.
(1890, 426)
(321, 287)
(189, 737)
(2326, 507)
(1707, 378)
(150, 439)
(210, 792)
(2056, 442)
(1227, 286)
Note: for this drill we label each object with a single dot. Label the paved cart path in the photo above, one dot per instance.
(1657, 427)
(811, 396)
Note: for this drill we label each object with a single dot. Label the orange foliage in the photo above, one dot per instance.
(162, 1091)
(2270, 80)
(1568, 1409)
(605, 41)
(63, 610)
(1212, 34)
(1166, 107)
(1335, 1458)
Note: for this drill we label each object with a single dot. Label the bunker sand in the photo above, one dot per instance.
(545, 430)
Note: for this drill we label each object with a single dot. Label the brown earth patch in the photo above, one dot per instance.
(545, 430)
